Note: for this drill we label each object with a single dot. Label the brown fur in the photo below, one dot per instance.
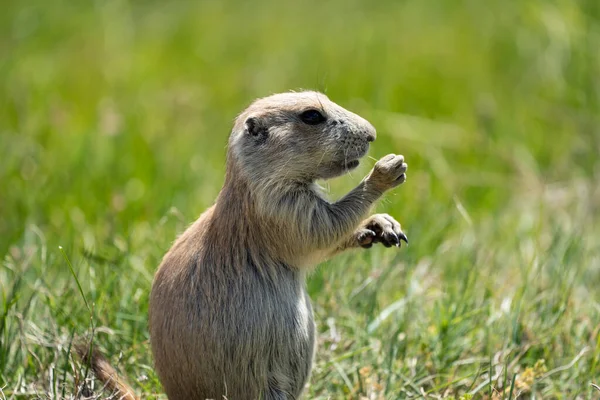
(229, 313)
(104, 372)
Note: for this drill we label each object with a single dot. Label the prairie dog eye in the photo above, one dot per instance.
(312, 117)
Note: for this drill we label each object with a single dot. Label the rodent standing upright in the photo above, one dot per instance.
(229, 313)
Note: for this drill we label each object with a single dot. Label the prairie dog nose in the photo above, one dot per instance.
(369, 130)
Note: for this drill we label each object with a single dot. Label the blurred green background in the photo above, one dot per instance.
(114, 117)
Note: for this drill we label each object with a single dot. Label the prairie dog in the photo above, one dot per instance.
(229, 313)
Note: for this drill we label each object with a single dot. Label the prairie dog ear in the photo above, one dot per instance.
(254, 128)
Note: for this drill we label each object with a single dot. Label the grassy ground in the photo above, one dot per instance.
(114, 117)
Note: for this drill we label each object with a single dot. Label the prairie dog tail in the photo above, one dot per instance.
(105, 372)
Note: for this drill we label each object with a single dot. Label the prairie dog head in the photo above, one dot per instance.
(298, 137)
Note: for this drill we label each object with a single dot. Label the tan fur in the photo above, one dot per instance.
(104, 372)
(229, 313)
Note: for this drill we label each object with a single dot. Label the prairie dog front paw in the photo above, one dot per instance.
(380, 228)
(388, 172)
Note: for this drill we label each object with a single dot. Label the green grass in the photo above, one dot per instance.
(114, 117)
